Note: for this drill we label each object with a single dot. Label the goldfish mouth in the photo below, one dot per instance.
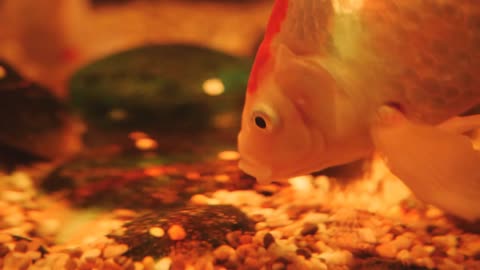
(265, 175)
(262, 174)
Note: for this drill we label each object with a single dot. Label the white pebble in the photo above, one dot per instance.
(367, 235)
(281, 219)
(15, 196)
(322, 182)
(301, 183)
(260, 226)
(276, 234)
(315, 218)
(156, 232)
(113, 251)
(448, 241)
(283, 249)
(342, 257)
(163, 264)
(138, 266)
(318, 264)
(91, 253)
(14, 219)
(239, 197)
(199, 199)
(403, 241)
(5, 238)
(21, 180)
(321, 246)
(404, 255)
(48, 227)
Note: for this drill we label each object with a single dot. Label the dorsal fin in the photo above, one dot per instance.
(264, 54)
(307, 27)
(301, 25)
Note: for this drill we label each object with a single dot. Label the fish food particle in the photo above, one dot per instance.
(156, 232)
(177, 232)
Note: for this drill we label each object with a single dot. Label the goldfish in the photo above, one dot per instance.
(334, 81)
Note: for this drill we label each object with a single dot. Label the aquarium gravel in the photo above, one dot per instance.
(309, 223)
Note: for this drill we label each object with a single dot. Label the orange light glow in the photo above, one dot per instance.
(193, 175)
(222, 178)
(213, 87)
(225, 120)
(118, 114)
(146, 144)
(154, 171)
(137, 135)
(229, 155)
(3, 72)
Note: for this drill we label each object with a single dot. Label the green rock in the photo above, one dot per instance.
(161, 86)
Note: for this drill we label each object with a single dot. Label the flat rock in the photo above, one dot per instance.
(206, 227)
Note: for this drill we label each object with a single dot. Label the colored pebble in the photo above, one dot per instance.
(177, 232)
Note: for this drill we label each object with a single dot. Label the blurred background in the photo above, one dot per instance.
(122, 115)
(48, 40)
(80, 73)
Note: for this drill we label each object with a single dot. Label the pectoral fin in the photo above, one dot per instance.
(437, 163)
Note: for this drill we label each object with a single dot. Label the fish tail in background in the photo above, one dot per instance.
(438, 164)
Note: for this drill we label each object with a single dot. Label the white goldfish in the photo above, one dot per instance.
(335, 80)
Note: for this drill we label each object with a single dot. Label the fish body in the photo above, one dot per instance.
(326, 67)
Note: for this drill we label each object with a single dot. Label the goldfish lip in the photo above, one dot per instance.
(262, 174)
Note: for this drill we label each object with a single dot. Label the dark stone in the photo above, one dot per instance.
(309, 228)
(376, 263)
(206, 228)
(363, 254)
(435, 230)
(304, 252)
(21, 246)
(268, 239)
(4, 250)
(33, 122)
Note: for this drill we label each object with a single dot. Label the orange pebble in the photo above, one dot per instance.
(177, 232)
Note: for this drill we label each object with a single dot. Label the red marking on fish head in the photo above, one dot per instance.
(69, 54)
(264, 54)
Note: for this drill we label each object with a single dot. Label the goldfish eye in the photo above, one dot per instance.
(260, 122)
(263, 120)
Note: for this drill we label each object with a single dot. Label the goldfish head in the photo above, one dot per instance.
(296, 121)
(273, 135)
(276, 138)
